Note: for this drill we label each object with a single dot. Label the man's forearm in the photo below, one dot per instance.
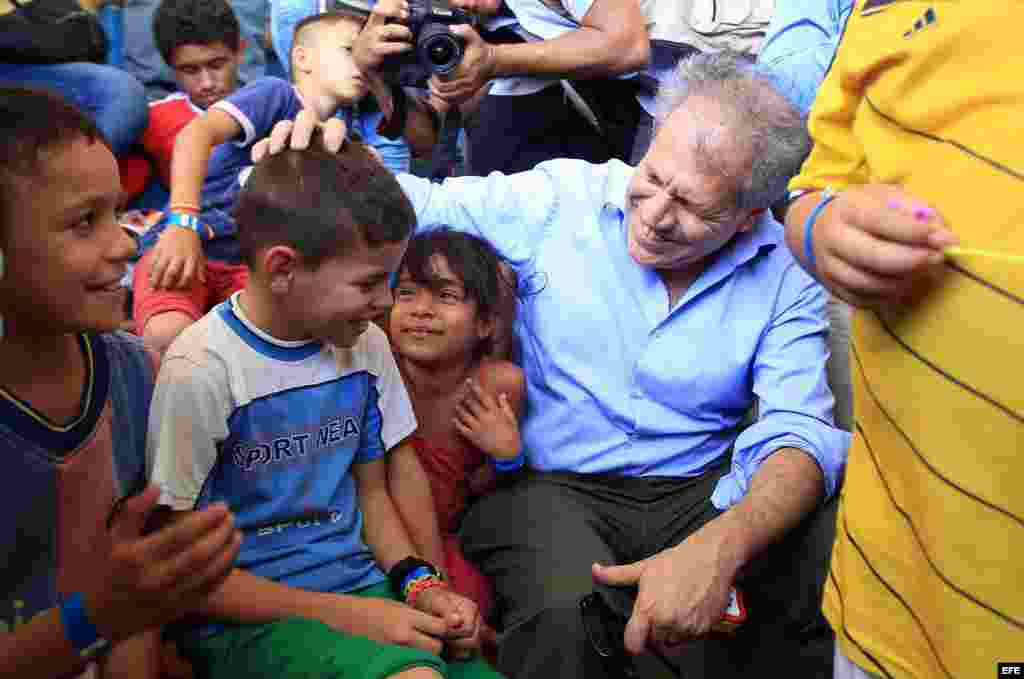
(581, 53)
(787, 487)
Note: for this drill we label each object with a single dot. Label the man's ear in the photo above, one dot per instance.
(280, 263)
(750, 221)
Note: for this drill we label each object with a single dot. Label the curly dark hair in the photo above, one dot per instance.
(194, 22)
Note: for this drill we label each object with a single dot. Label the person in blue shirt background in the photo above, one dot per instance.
(801, 41)
(665, 306)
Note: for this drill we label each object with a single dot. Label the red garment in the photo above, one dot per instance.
(167, 117)
(222, 281)
(448, 470)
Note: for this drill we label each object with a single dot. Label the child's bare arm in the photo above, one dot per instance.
(390, 543)
(410, 491)
(250, 599)
(383, 530)
(177, 257)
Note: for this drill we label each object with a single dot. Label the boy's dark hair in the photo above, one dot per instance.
(194, 22)
(471, 258)
(321, 204)
(34, 121)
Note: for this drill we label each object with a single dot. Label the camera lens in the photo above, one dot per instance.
(440, 53)
(439, 50)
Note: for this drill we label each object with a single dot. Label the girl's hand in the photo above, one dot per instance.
(487, 422)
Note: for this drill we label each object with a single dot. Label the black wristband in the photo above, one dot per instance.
(393, 127)
(398, 572)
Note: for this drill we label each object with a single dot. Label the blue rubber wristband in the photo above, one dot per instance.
(827, 196)
(505, 466)
(79, 630)
(190, 222)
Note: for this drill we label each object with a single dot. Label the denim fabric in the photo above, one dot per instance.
(115, 100)
(285, 15)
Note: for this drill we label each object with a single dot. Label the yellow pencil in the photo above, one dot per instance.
(976, 252)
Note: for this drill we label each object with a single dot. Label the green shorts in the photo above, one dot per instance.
(298, 648)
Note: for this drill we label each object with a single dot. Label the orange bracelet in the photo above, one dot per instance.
(184, 207)
(423, 585)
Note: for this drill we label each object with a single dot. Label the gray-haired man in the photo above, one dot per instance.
(664, 305)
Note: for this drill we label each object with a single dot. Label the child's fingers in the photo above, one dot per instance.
(506, 407)
(305, 122)
(183, 533)
(209, 561)
(466, 419)
(280, 136)
(188, 271)
(169, 280)
(130, 515)
(334, 134)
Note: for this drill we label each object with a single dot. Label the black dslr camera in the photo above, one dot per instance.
(436, 51)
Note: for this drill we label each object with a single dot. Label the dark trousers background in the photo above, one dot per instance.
(537, 538)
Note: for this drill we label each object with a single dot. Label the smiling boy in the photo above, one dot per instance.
(285, 402)
(77, 582)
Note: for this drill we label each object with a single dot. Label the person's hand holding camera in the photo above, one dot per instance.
(478, 67)
(382, 36)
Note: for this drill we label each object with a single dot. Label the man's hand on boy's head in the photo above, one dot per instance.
(177, 259)
(380, 39)
(288, 134)
(153, 579)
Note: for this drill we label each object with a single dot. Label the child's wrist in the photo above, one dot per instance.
(510, 464)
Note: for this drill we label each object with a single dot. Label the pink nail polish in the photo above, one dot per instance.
(923, 214)
(895, 205)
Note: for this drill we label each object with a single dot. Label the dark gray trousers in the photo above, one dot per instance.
(537, 538)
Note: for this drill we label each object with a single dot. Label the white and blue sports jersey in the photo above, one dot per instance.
(273, 428)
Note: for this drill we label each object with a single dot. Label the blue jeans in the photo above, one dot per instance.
(285, 15)
(114, 99)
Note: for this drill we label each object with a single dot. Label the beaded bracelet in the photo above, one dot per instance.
(422, 585)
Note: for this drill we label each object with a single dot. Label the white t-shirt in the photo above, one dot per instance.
(273, 428)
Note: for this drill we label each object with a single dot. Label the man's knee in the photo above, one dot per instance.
(550, 643)
(163, 328)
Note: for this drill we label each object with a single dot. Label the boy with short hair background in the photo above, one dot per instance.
(79, 580)
(193, 259)
(285, 402)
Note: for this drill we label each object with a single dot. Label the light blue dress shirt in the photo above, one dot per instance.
(616, 381)
(801, 41)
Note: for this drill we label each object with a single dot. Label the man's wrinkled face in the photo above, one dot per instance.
(680, 205)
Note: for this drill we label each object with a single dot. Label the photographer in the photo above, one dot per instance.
(529, 46)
